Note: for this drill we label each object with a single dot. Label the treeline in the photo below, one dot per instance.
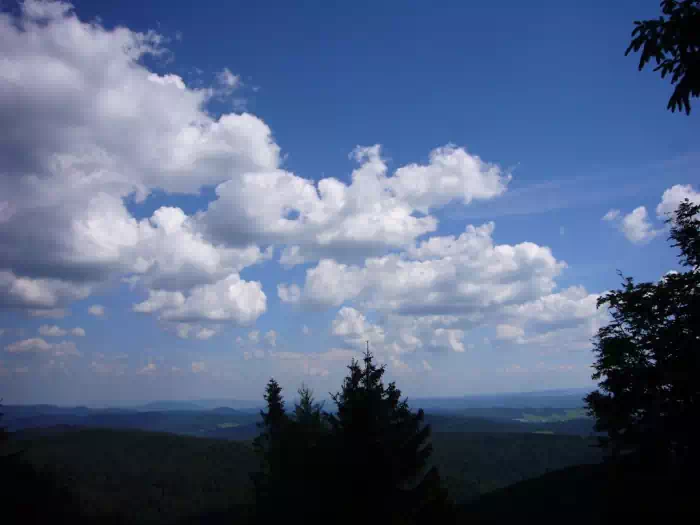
(366, 462)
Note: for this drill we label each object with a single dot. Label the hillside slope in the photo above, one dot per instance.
(147, 477)
(586, 494)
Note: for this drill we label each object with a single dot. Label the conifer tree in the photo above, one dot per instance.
(366, 463)
(270, 482)
(382, 450)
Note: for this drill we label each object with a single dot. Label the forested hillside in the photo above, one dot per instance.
(147, 477)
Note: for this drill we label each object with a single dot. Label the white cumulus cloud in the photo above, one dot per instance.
(673, 196)
(637, 228)
(51, 331)
(97, 310)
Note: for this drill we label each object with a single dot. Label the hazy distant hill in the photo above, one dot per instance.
(560, 399)
(224, 421)
(225, 424)
(162, 406)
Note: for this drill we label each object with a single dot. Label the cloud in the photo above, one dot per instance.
(53, 313)
(95, 132)
(637, 228)
(37, 294)
(182, 330)
(34, 344)
(611, 215)
(254, 336)
(566, 319)
(92, 125)
(673, 196)
(256, 354)
(372, 214)
(198, 367)
(51, 331)
(442, 275)
(426, 366)
(78, 332)
(316, 365)
(449, 338)
(40, 346)
(41, 9)
(636, 225)
(287, 355)
(271, 338)
(315, 371)
(205, 333)
(170, 254)
(227, 79)
(65, 348)
(338, 354)
(97, 310)
(94, 128)
(509, 332)
(148, 370)
(109, 365)
(353, 327)
(228, 300)
(437, 293)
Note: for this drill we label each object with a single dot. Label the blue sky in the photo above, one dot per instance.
(256, 190)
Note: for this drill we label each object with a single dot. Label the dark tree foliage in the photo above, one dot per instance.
(648, 359)
(365, 463)
(28, 495)
(309, 421)
(384, 448)
(271, 448)
(3, 431)
(673, 42)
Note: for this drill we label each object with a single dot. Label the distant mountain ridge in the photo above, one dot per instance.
(557, 398)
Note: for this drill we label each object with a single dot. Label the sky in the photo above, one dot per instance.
(194, 200)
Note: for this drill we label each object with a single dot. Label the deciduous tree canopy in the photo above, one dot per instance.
(673, 42)
(648, 357)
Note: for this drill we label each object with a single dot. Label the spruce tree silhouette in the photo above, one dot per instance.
(648, 360)
(271, 482)
(381, 452)
(365, 463)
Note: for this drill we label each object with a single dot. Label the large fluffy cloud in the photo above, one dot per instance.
(440, 292)
(38, 293)
(637, 228)
(462, 275)
(230, 299)
(88, 125)
(92, 126)
(333, 219)
(673, 196)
